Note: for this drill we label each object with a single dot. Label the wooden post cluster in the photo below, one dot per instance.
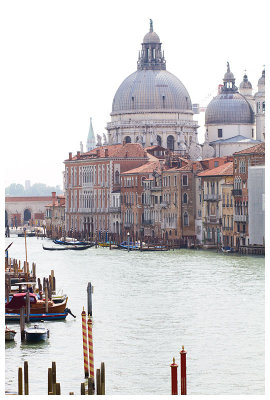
(100, 380)
(25, 380)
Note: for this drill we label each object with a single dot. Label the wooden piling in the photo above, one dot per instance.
(50, 381)
(89, 299)
(27, 307)
(26, 381)
(183, 371)
(91, 386)
(54, 377)
(46, 300)
(58, 388)
(102, 378)
(20, 381)
(98, 383)
(82, 388)
(22, 322)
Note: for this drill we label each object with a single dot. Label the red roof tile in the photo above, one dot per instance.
(258, 149)
(128, 150)
(145, 168)
(225, 169)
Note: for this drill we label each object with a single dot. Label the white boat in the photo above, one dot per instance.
(9, 334)
(36, 333)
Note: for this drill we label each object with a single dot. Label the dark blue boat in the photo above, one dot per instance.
(129, 246)
(36, 333)
(37, 317)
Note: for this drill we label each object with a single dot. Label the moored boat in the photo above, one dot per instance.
(69, 247)
(9, 334)
(129, 246)
(9, 317)
(36, 333)
(36, 306)
(72, 242)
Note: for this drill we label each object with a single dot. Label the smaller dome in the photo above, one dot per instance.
(151, 37)
(245, 84)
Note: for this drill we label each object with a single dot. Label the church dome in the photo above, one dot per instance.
(229, 108)
(151, 87)
(151, 90)
(245, 84)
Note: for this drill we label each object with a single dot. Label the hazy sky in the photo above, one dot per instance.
(62, 62)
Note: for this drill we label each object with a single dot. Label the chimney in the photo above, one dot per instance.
(106, 153)
(54, 198)
(78, 155)
(98, 153)
(70, 156)
(124, 142)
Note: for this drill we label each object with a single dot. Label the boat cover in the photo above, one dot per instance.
(19, 300)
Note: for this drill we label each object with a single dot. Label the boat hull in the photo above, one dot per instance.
(36, 334)
(9, 335)
(40, 308)
(36, 317)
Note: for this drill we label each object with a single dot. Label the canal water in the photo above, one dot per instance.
(145, 307)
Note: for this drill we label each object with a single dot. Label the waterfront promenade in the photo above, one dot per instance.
(145, 307)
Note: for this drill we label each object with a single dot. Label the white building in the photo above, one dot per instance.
(256, 204)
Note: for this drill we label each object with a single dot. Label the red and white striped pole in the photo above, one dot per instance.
(90, 347)
(183, 371)
(84, 334)
(174, 377)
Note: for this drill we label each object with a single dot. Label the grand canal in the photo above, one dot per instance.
(145, 307)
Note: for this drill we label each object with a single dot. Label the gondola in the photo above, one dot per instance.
(71, 243)
(72, 247)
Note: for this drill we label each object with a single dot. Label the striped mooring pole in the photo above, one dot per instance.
(90, 347)
(183, 371)
(84, 334)
(174, 367)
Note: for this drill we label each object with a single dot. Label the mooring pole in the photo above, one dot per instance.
(84, 334)
(90, 347)
(26, 380)
(183, 371)
(89, 298)
(174, 377)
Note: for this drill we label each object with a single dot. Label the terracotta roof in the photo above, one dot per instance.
(9, 199)
(258, 149)
(225, 169)
(128, 150)
(145, 168)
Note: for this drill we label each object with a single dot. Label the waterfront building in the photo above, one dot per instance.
(244, 159)
(134, 199)
(152, 106)
(234, 120)
(256, 205)
(25, 210)
(227, 211)
(92, 186)
(213, 181)
(55, 216)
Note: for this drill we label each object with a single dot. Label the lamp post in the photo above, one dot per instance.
(128, 240)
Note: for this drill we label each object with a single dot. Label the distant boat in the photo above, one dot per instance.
(28, 234)
(9, 334)
(129, 246)
(36, 333)
(71, 243)
(70, 247)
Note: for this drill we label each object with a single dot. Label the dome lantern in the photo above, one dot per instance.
(151, 55)
(229, 81)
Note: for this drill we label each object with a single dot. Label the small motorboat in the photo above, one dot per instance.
(9, 334)
(36, 333)
(129, 246)
(69, 247)
(227, 249)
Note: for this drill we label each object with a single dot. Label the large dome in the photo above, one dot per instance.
(229, 108)
(151, 90)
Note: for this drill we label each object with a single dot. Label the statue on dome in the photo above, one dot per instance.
(99, 138)
(104, 140)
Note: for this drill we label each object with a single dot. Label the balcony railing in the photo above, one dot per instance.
(115, 209)
(213, 220)
(148, 222)
(128, 224)
(164, 204)
(237, 192)
(240, 218)
(211, 196)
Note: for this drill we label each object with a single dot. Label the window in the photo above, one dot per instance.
(184, 180)
(185, 198)
(175, 180)
(128, 139)
(170, 142)
(185, 219)
(216, 163)
(117, 177)
(219, 133)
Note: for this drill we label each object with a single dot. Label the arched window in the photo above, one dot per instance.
(159, 140)
(170, 142)
(185, 198)
(117, 177)
(27, 215)
(185, 219)
(128, 139)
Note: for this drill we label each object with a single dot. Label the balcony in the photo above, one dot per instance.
(164, 204)
(213, 220)
(237, 192)
(128, 225)
(240, 218)
(212, 196)
(115, 209)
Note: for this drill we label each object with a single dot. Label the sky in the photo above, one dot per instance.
(62, 62)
